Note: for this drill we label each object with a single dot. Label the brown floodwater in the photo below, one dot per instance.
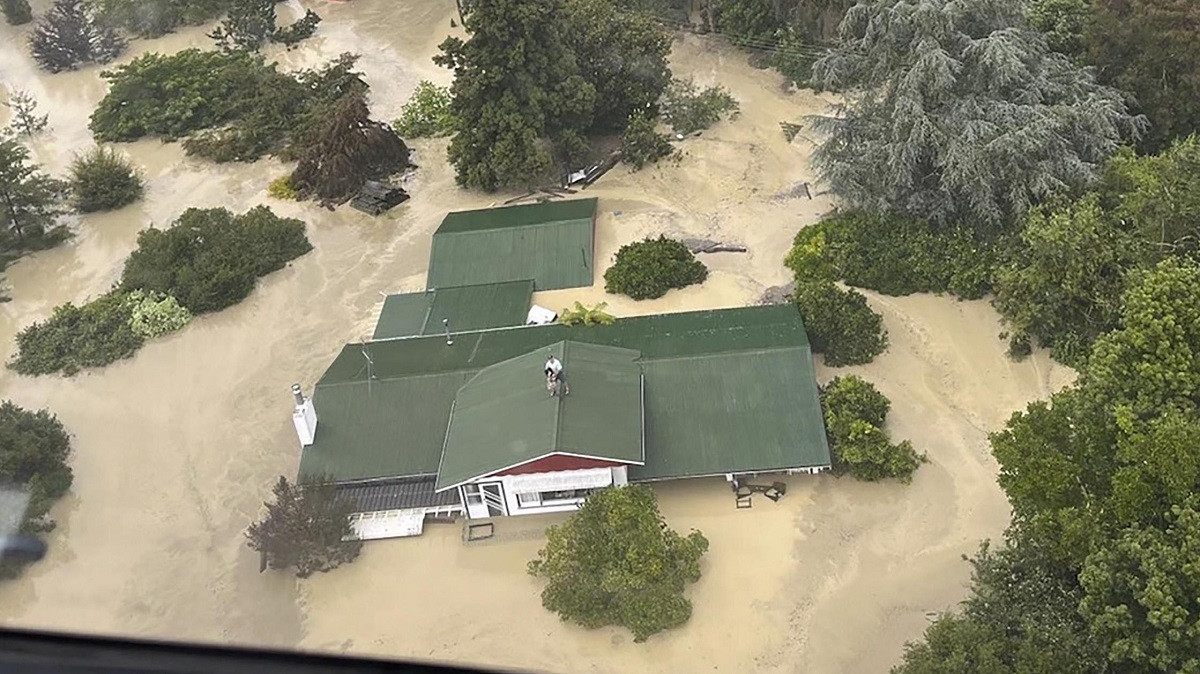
(176, 448)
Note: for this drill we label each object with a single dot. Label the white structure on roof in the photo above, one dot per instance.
(304, 416)
(540, 316)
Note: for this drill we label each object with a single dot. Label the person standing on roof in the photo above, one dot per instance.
(554, 375)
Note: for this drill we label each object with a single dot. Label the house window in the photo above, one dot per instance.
(529, 500)
(566, 495)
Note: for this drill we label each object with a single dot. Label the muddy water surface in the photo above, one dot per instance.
(176, 448)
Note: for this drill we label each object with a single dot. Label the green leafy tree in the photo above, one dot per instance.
(623, 56)
(1143, 594)
(1156, 198)
(25, 120)
(248, 26)
(519, 95)
(689, 109)
(16, 12)
(30, 201)
(103, 180)
(748, 23)
(427, 113)
(1021, 618)
(34, 448)
(306, 528)
(615, 562)
(1152, 362)
(648, 269)
(840, 324)
(957, 113)
(854, 414)
(1065, 24)
(1066, 284)
(74, 338)
(642, 144)
(68, 37)
(1149, 48)
(299, 31)
(210, 258)
(350, 149)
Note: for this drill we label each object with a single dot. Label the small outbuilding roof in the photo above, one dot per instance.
(551, 243)
(474, 307)
(504, 416)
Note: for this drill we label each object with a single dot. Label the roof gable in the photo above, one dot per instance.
(504, 416)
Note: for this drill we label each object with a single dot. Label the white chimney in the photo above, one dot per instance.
(304, 416)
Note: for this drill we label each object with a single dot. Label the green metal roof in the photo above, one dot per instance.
(743, 378)
(551, 243)
(518, 216)
(475, 307)
(504, 416)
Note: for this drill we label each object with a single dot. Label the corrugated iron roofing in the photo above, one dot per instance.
(727, 376)
(476, 307)
(504, 415)
(551, 243)
(397, 495)
(518, 216)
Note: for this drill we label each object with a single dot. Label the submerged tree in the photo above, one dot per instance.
(518, 93)
(29, 199)
(615, 562)
(68, 37)
(25, 120)
(248, 26)
(16, 12)
(306, 528)
(350, 149)
(958, 113)
(34, 448)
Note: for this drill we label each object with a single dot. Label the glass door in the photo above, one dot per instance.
(493, 497)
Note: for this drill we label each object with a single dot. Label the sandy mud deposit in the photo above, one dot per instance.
(176, 448)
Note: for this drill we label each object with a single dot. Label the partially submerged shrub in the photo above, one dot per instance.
(299, 31)
(854, 414)
(307, 528)
(642, 144)
(282, 188)
(427, 113)
(74, 338)
(34, 448)
(153, 314)
(16, 12)
(648, 269)
(25, 120)
(581, 315)
(102, 180)
(616, 562)
(688, 109)
(840, 324)
(210, 259)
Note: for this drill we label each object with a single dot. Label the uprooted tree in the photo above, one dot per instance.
(307, 528)
(350, 149)
(615, 562)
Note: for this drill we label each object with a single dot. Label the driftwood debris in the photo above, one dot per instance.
(710, 246)
(586, 176)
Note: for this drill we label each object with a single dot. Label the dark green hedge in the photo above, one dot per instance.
(648, 269)
(854, 414)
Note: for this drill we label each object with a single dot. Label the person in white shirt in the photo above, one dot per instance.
(554, 374)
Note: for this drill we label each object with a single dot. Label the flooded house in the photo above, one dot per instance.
(446, 411)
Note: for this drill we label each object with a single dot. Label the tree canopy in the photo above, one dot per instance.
(30, 202)
(34, 448)
(306, 528)
(69, 36)
(615, 562)
(537, 78)
(958, 113)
